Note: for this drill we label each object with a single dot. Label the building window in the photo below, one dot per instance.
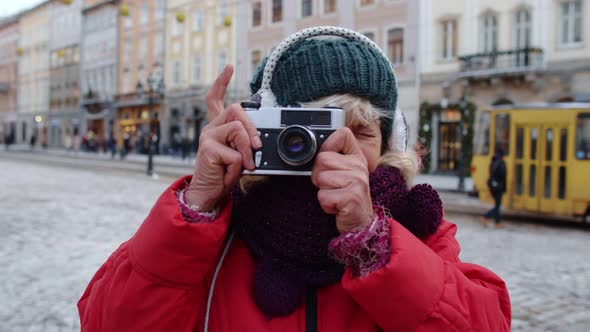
(449, 39)
(522, 29)
(160, 9)
(329, 6)
(582, 137)
(489, 34)
(222, 12)
(395, 45)
(145, 10)
(176, 72)
(257, 14)
(175, 28)
(142, 48)
(255, 59)
(197, 20)
(277, 11)
(570, 22)
(158, 48)
(221, 60)
(367, 2)
(306, 8)
(196, 68)
(370, 35)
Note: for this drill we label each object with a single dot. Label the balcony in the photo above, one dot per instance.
(501, 63)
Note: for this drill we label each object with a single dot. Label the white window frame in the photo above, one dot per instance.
(487, 33)
(144, 14)
(195, 79)
(175, 28)
(176, 72)
(300, 10)
(323, 9)
(251, 15)
(450, 53)
(404, 42)
(270, 7)
(222, 8)
(572, 17)
(218, 62)
(197, 17)
(518, 27)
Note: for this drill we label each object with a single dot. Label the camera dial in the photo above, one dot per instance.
(297, 145)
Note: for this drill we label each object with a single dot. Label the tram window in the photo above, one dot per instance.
(532, 179)
(482, 138)
(583, 136)
(549, 144)
(534, 134)
(519, 143)
(519, 188)
(502, 132)
(563, 145)
(561, 188)
(547, 193)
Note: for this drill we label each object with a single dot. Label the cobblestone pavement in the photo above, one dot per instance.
(60, 224)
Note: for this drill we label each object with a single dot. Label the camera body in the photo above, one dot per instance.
(291, 137)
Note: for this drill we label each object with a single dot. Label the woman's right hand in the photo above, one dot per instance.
(225, 147)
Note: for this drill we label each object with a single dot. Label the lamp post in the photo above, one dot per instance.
(155, 90)
(462, 133)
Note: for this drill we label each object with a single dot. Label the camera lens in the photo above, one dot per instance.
(296, 145)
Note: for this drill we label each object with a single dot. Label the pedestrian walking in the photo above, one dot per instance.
(497, 186)
(33, 141)
(350, 248)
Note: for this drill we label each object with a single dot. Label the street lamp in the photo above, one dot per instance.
(155, 91)
(463, 109)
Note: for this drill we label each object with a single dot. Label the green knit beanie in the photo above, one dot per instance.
(316, 68)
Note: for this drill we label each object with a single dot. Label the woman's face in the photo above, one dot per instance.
(369, 139)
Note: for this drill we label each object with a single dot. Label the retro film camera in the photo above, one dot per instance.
(291, 137)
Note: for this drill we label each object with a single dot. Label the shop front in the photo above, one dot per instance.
(137, 123)
(447, 134)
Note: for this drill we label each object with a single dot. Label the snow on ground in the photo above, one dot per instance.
(58, 225)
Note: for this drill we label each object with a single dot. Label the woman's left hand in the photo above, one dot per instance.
(341, 173)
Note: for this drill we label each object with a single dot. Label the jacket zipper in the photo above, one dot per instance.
(311, 310)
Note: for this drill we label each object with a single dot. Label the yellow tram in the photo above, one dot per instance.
(547, 155)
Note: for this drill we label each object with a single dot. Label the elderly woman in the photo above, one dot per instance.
(351, 248)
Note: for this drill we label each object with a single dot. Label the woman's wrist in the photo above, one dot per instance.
(192, 212)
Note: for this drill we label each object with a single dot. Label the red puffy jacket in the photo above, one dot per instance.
(159, 281)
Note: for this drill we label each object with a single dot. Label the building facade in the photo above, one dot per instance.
(64, 76)
(8, 78)
(33, 75)
(140, 72)
(200, 41)
(390, 24)
(475, 54)
(98, 70)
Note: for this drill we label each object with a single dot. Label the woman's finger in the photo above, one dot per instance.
(342, 141)
(215, 97)
(329, 160)
(235, 133)
(337, 179)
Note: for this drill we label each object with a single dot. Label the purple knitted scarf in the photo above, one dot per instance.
(283, 225)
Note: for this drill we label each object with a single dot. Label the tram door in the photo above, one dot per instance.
(540, 167)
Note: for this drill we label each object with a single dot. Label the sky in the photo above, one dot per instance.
(9, 7)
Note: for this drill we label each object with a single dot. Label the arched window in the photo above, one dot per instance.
(489, 33)
(522, 29)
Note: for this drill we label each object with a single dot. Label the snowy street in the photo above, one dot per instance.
(58, 225)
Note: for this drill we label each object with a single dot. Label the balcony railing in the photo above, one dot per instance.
(501, 63)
